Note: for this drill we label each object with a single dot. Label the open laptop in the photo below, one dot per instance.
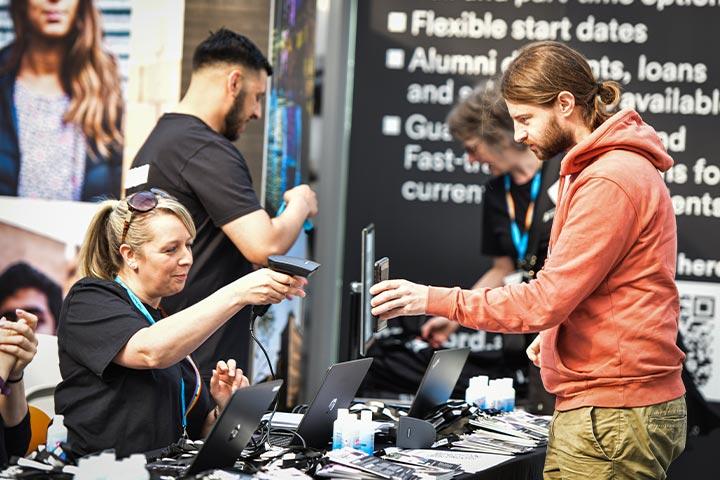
(437, 384)
(232, 430)
(337, 390)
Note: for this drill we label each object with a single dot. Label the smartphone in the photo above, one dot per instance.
(381, 272)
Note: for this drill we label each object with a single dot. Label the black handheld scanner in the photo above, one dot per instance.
(291, 266)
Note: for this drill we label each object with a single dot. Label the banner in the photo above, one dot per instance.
(290, 106)
(415, 59)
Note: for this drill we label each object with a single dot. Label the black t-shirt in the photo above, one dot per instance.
(401, 357)
(14, 440)
(107, 405)
(210, 177)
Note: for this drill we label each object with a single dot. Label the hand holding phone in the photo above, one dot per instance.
(381, 272)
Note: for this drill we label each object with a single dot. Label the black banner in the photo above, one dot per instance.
(414, 59)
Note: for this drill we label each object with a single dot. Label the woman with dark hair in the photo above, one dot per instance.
(60, 105)
(24, 287)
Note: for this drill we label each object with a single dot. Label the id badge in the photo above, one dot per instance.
(518, 276)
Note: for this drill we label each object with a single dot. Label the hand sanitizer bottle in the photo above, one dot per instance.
(367, 432)
(56, 434)
(339, 427)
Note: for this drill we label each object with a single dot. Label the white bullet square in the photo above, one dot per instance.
(391, 125)
(397, 22)
(395, 58)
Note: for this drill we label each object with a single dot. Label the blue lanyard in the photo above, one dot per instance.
(521, 241)
(186, 408)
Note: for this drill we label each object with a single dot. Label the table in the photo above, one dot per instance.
(523, 467)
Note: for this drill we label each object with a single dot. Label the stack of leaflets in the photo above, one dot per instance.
(348, 463)
(508, 434)
(435, 469)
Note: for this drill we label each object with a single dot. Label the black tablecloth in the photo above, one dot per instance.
(528, 466)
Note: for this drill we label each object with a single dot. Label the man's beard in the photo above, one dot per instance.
(555, 140)
(233, 119)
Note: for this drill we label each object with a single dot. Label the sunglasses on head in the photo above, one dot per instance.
(142, 202)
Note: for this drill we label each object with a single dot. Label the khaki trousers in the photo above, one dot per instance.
(593, 443)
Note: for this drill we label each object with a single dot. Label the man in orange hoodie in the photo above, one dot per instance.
(605, 301)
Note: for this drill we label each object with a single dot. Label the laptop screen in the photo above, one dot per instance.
(235, 426)
(440, 377)
(337, 390)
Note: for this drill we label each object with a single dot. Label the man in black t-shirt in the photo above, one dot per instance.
(190, 155)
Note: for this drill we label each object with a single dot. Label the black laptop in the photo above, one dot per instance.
(437, 384)
(337, 390)
(231, 432)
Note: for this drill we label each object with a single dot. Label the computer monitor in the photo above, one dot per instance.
(367, 260)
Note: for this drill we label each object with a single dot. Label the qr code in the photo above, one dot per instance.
(697, 320)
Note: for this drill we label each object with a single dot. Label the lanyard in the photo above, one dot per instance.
(521, 241)
(186, 408)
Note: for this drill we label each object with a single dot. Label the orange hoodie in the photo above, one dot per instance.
(606, 298)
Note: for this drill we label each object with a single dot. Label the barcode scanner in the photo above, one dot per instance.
(291, 266)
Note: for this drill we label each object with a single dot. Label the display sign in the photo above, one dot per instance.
(415, 59)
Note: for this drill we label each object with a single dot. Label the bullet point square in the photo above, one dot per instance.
(391, 125)
(395, 58)
(397, 22)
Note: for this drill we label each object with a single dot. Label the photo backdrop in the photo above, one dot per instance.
(46, 234)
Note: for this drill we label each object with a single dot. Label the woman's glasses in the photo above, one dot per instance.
(141, 202)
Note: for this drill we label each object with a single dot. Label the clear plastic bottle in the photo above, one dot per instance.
(493, 400)
(367, 433)
(351, 432)
(476, 393)
(339, 426)
(56, 434)
(507, 394)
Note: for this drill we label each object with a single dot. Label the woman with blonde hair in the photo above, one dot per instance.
(129, 381)
(60, 104)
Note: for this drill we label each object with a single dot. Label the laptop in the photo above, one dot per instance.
(439, 380)
(337, 390)
(232, 430)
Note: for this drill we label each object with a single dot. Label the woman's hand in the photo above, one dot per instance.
(395, 298)
(18, 339)
(266, 286)
(226, 378)
(533, 351)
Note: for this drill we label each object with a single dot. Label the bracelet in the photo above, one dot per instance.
(216, 411)
(17, 380)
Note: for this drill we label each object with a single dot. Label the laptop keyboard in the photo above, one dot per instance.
(173, 467)
(281, 439)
